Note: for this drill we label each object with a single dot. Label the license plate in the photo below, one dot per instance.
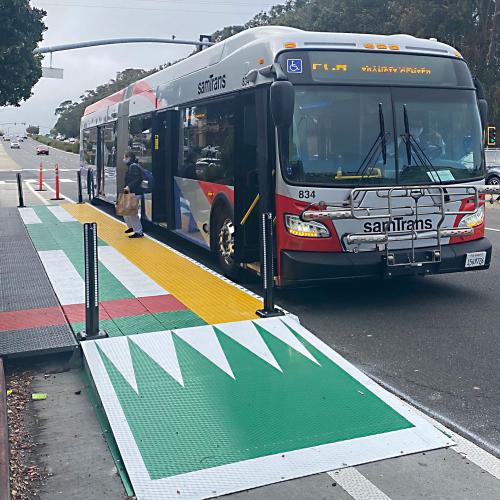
(475, 259)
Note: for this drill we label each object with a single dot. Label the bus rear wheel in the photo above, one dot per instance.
(223, 243)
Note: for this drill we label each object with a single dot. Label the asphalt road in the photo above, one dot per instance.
(434, 339)
(28, 164)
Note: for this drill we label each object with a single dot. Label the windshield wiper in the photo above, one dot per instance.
(379, 143)
(413, 146)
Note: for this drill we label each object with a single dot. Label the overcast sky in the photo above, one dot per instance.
(71, 21)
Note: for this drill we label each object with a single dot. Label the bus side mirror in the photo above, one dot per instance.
(282, 103)
(482, 104)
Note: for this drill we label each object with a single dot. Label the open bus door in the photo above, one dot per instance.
(246, 181)
(100, 162)
(165, 145)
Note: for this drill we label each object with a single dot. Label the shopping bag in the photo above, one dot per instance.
(127, 204)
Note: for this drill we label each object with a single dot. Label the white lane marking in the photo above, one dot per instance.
(38, 195)
(66, 180)
(130, 276)
(492, 229)
(29, 216)
(65, 279)
(61, 214)
(66, 198)
(357, 485)
(477, 455)
(474, 453)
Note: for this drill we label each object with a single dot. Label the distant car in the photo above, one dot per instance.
(72, 140)
(14, 145)
(20, 139)
(493, 176)
(42, 150)
(6, 138)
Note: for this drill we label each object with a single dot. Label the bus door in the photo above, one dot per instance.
(99, 162)
(106, 162)
(246, 181)
(165, 139)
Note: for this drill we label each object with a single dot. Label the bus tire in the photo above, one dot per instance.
(222, 239)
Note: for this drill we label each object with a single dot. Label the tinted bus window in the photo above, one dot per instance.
(90, 146)
(207, 143)
(140, 140)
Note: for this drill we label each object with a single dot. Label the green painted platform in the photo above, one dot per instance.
(209, 410)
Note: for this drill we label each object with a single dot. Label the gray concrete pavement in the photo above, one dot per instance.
(71, 448)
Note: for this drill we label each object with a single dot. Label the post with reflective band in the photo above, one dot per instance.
(92, 331)
(267, 267)
(20, 190)
(90, 184)
(79, 182)
(58, 196)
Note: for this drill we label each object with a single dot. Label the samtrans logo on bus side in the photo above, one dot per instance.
(212, 83)
(397, 224)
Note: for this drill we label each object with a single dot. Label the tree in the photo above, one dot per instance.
(21, 31)
(32, 129)
(472, 26)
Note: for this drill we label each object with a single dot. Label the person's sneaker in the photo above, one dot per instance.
(129, 230)
(136, 235)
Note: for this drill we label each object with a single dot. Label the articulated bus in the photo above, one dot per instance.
(367, 150)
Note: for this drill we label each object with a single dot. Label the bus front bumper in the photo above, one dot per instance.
(304, 268)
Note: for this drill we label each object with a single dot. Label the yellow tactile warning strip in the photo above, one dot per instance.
(207, 295)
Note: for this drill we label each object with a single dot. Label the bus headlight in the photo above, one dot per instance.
(311, 229)
(473, 220)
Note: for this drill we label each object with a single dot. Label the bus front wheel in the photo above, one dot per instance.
(223, 243)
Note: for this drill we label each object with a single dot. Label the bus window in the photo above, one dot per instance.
(140, 143)
(207, 142)
(90, 146)
(108, 175)
(140, 140)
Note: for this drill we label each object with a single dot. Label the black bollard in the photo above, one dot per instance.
(20, 190)
(267, 267)
(92, 331)
(79, 182)
(90, 184)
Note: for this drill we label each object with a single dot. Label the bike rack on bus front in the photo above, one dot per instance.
(441, 198)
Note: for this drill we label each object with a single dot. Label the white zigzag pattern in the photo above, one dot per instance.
(159, 346)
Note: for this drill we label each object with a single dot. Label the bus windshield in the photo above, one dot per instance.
(355, 135)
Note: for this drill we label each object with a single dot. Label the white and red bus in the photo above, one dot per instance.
(366, 148)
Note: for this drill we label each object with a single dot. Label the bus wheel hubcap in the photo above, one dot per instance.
(226, 241)
(494, 181)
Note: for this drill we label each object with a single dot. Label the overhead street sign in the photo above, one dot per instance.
(52, 72)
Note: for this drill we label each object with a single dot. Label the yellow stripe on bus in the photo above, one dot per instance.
(208, 296)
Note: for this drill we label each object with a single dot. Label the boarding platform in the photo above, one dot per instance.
(202, 397)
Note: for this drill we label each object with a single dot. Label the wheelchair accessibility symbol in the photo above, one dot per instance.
(294, 65)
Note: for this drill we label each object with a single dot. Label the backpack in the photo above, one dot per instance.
(147, 180)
